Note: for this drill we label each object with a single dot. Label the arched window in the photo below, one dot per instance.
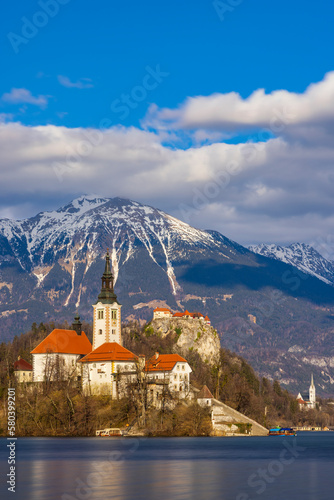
(100, 332)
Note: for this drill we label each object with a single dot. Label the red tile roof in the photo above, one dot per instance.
(161, 309)
(191, 315)
(164, 362)
(109, 351)
(204, 393)
(65, 342)
(22, 365)
(196, 315)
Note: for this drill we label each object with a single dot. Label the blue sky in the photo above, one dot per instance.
(259, 44)
(84, 62)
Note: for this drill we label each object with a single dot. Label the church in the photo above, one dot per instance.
(307, 401)
(106, 367)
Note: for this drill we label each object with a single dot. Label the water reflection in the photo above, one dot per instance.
(177, 469)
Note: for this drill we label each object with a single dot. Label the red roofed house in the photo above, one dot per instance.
(172, 367)
(161, 312)
(104, 368)
(23, 370)
(57, 355)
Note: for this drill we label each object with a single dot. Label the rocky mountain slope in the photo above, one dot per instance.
(302, 256)
(51, 264)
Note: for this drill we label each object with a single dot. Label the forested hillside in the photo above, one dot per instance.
(61, 409)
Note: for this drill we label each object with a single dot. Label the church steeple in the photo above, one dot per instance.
(76, 325)
(312, 397)
(107, 294)
(107, 326)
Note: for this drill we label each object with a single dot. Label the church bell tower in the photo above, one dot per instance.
(107, 311)
(312, 393)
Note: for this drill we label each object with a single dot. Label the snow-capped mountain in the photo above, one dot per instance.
(300, 255)
(82, 230)
(51, 265)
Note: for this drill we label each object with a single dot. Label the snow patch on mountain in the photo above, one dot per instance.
(72, 234)
(300, 255)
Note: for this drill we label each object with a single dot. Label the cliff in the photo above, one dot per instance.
(192, 335)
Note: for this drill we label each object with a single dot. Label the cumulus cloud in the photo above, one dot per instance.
(24, 96)
(82, 83)
(269, 191)
(279, 188)
(230, 112)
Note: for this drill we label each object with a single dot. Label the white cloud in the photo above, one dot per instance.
(82, 83)
(24, 96)
(230, 112)
(279, 189)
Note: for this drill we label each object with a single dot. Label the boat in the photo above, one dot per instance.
(110, 432)
(282, 431)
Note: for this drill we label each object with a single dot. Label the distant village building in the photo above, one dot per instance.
(161, 312)
(251, 318)
(307, 401)
(23, 370)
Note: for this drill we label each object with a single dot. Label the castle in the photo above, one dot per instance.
(164, 312)
(307, 401)
(106, 367)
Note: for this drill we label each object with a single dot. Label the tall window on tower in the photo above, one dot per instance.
(100, 314)
(113, 314)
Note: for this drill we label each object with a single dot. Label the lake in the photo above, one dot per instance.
(236, 468)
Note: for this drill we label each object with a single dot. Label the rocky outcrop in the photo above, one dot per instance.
(192, 334)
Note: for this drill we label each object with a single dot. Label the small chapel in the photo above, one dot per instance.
(106, 367)
(307, 401)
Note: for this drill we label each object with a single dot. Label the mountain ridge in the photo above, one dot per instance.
(300, 255)
(51, 264)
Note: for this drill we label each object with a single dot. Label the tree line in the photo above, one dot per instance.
(61, 407)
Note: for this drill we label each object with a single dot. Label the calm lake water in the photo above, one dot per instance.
(275, 468)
